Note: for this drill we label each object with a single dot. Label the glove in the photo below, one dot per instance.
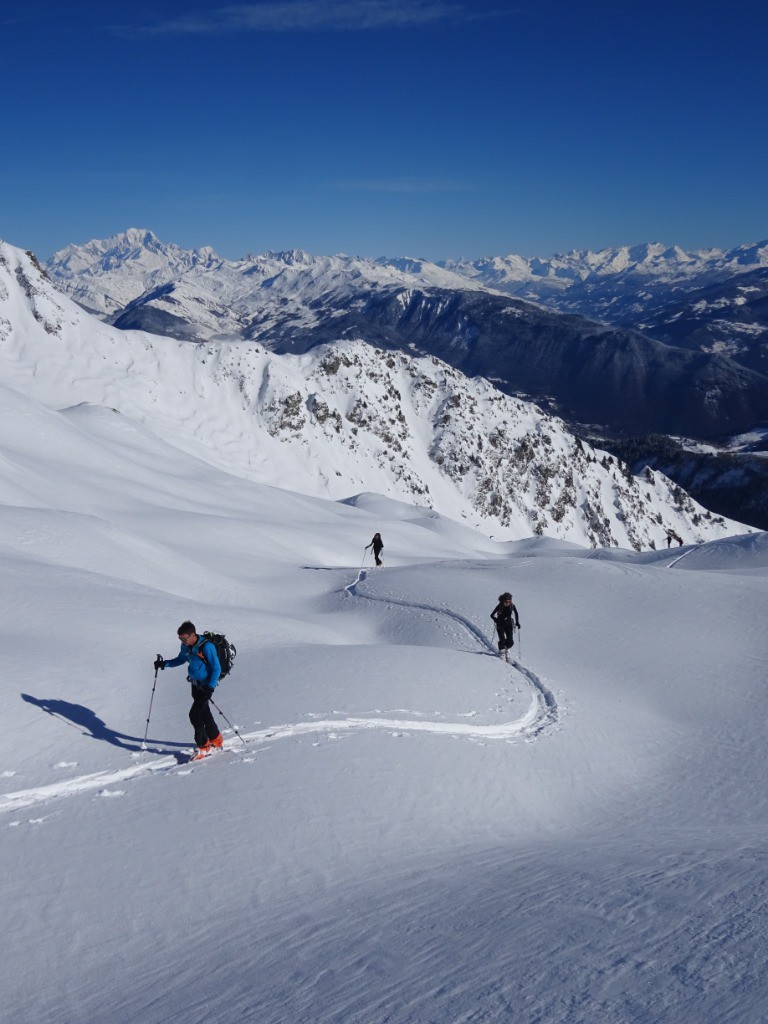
(159, 662)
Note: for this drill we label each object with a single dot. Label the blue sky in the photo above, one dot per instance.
(433, 128)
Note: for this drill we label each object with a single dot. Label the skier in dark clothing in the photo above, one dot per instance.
(378, 546)
(503, 615)
(203, 673)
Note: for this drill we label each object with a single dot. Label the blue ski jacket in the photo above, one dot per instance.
(204, 667)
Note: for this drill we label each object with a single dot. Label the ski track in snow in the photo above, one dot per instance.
(543, 710)
(542, 713)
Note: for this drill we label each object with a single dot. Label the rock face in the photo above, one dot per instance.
(584, 371)
(434, 431)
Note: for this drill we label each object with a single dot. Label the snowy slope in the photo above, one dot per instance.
(414, 832)
(339, 420)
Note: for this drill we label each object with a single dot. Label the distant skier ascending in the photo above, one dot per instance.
(378, 546)
(502, 615)
(203, 671)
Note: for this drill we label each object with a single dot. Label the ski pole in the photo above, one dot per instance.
(149, 714)
(232, 727)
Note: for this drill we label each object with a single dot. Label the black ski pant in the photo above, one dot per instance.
(506, 635)
(200, 716)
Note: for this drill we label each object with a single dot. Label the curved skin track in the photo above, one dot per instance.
(541, 714)
(544, 704)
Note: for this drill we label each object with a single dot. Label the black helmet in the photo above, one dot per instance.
(506, 596)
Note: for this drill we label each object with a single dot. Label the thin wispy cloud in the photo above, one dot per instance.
(4, 22)
(318, 15)
(402, 186)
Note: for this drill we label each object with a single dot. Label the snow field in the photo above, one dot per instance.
(390, 848)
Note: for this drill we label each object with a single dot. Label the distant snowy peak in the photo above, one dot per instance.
(611, 284)
(617, 285)
(136, 245)
(286, 257)
(138, 258)
(106, 276)
(649, 259)
(341, 419)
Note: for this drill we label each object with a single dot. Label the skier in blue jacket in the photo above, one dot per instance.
(203, 671)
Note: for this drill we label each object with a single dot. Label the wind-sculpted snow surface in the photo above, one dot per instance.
(415, 832)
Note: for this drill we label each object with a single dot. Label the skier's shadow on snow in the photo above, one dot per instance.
(87, 721)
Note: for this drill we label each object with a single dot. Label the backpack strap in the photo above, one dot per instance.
(199, 652)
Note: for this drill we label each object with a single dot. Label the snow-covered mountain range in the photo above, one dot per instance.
(341, 419)
(291, 302)
(107, 276)
(134, 261)
(613, 284)
(709, 300)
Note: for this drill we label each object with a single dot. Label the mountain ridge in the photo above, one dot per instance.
(343, 418)
(585, 370)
